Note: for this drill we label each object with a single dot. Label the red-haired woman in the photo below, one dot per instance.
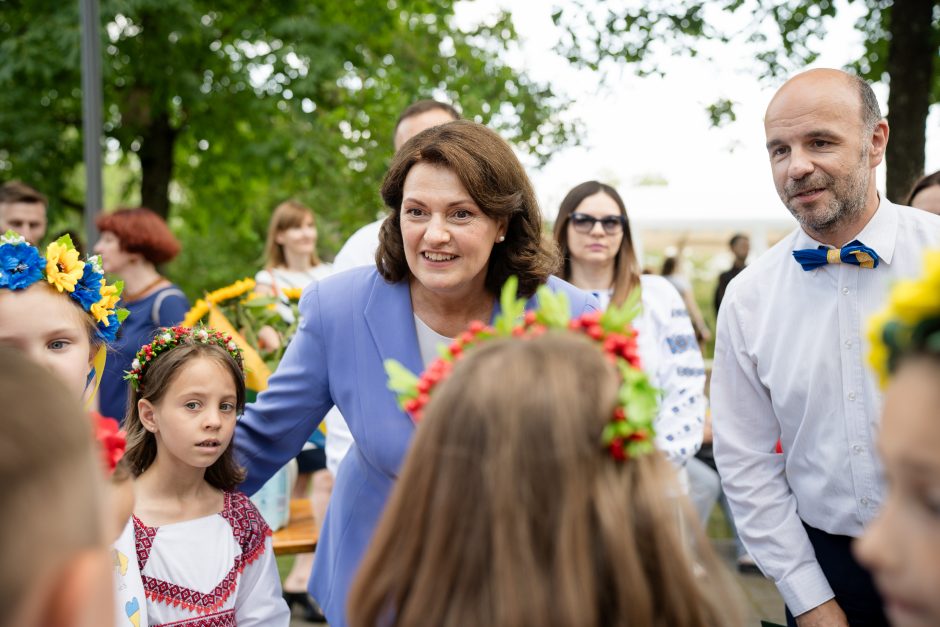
(132, 244)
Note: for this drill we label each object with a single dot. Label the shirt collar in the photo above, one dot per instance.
(880, 234)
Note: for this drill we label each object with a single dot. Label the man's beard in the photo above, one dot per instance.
(847, 203)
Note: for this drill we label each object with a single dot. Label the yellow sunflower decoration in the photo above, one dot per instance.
(909, 322)
(239, 311)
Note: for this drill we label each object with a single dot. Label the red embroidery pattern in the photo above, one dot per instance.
(223, 619)
(143, 539)
(250, 532)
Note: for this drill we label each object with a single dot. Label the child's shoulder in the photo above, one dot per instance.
(248, 525)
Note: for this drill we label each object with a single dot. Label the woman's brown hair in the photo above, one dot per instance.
(141, 231)
(287, 215)
(509, 510)
(921, 184)
(626, 266)
(498, 184)
(225, 473)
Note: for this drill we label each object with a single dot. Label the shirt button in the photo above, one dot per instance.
(857, 448)
(848, 343)
(845, 290)
(851, 396)
(863, 501)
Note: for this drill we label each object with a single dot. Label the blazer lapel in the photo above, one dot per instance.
(390, 320)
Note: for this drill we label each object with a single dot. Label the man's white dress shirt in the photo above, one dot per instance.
(790, 364)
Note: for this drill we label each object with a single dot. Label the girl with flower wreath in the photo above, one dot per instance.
(203, 549)
(514, 508)
(62, 313)
(902, 546)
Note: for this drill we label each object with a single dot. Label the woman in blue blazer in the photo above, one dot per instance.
(463, 218)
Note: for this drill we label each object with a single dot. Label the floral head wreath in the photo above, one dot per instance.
(168, 338)
(630, 431)
(909, 322)
(22, 265)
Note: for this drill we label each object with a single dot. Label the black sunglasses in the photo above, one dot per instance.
(583, 223)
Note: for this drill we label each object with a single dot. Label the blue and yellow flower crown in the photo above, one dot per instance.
(22, 265)
(910, 322)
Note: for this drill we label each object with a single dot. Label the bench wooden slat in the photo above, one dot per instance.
(300, 535)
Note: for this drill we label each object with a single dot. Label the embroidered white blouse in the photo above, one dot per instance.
(214, 571)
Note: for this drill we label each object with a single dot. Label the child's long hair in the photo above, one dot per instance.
(509, 510)
(225, 473)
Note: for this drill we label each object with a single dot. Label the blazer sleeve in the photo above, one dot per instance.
(274, 428)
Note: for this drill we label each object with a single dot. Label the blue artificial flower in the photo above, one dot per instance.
(108, 333)
(20, 266)
(88, 289)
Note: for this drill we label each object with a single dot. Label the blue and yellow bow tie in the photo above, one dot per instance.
(854, 253)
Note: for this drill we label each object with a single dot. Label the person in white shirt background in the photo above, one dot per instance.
(789, 352)
(593, 235)
(359, 250)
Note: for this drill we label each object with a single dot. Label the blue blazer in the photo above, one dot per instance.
(350, 323)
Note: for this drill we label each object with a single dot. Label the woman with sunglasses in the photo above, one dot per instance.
(593, 235)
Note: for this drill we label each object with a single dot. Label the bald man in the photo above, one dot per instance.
(790, 352)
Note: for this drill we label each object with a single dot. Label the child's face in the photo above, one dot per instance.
(902, 547)
(195, 419)
(47, 327)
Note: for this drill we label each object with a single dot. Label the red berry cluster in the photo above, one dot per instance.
(618, 445)
(616, 345)
(441, 367)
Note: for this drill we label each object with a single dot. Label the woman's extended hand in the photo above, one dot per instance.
(268, 339)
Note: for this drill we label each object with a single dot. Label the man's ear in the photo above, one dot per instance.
(147, 415)
(83, 595)
(879, 142)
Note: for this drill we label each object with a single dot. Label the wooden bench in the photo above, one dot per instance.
(300, 535)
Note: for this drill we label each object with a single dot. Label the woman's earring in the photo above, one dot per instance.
(501, 239)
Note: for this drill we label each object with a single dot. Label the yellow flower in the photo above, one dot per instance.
(230, 291)
(63, 267)
(105, 306)
(909, 303)
(293, 293)
(912, 300)
(878, 355)
(197, 313)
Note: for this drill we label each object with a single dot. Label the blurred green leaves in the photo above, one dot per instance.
(257, 102)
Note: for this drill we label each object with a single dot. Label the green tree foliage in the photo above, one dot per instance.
(901, 47)
(215, 110)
